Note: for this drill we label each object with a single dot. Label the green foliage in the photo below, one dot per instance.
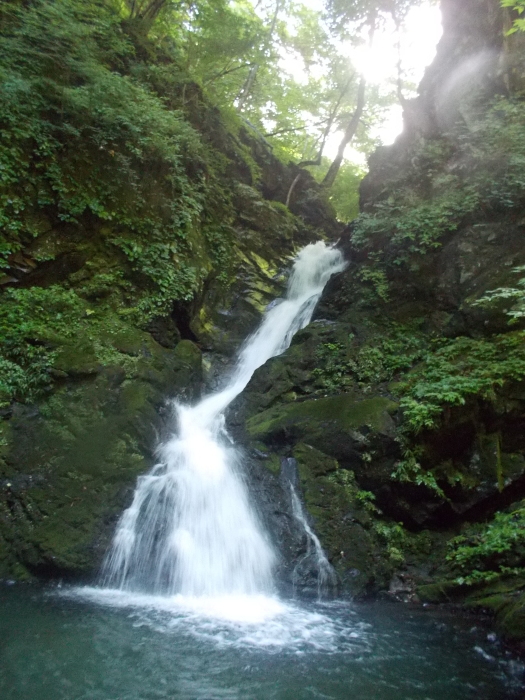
(488, 158)
(31, 321)
(45, 328)
(492, 154)
(375, 277)
(80, 138)
(459, 369)
(519, 7)
(394, 538)
(412, 224)
(344, 193)
(452, 373)
(512, 298)
(366, 500)
(491, 550)
(219, 43)
(378, 360)
(409, 469)
(333, 372)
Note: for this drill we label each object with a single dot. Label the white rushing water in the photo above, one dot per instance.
(326, 576)
(191, 533)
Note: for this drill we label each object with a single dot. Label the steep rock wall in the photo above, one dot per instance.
(141, 230)
(402, 404)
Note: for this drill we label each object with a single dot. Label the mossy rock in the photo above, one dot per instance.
(343, 411)
(77, 359)
(313, 463)
(441, 592)
(344, 525)
(505, 599)
(273, 464)
(70, 462)
(340, 426)
(510, 619)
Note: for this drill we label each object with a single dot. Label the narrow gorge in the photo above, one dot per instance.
(232, 425)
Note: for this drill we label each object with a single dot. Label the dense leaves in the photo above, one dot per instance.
(490, 550)
(459, 369)
(519, 7)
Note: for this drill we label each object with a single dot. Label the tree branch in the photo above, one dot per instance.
(248, 84)
(224, 72)
(292, 187)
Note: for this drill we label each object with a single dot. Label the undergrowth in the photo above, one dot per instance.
(489, 551)
(86, 142)
(477, 166)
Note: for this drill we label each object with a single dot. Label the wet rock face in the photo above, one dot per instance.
(335, 509)
(337, 443)
(333, 398)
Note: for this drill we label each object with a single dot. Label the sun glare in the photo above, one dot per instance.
(379, 65)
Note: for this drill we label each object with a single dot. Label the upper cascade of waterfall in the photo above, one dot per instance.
(191, 529)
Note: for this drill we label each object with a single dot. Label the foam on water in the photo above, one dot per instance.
(253, 621)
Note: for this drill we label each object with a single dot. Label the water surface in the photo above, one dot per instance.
(66, 645)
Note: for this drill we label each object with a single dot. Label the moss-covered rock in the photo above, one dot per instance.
(446, 591)
(364, 548)
(336, 514)
(336, 424)
(70, 461)
(505, 599)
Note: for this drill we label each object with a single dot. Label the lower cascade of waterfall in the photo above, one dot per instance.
(191, 536)
(314, 557)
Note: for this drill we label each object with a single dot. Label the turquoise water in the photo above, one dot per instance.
(60, 645)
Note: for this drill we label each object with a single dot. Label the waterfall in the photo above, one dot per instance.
(313, 564)
(190, 528)
(314, 558)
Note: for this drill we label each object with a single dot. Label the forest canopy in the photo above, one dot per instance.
(289, 69)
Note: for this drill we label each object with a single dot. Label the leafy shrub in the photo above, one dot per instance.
(519, 6)
(459, 369)
(490, 550)
(376, 361)
(31, 321)
(512, 297)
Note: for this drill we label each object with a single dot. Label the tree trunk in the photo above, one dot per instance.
(349, 134)
(351, 129)
(331, 118)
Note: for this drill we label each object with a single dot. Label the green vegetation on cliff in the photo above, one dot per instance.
(85, 133)
(490, 550)
(478, 165)
(125, 197)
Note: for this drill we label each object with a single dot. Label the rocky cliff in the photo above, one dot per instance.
(143, 232)
(402, 407)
